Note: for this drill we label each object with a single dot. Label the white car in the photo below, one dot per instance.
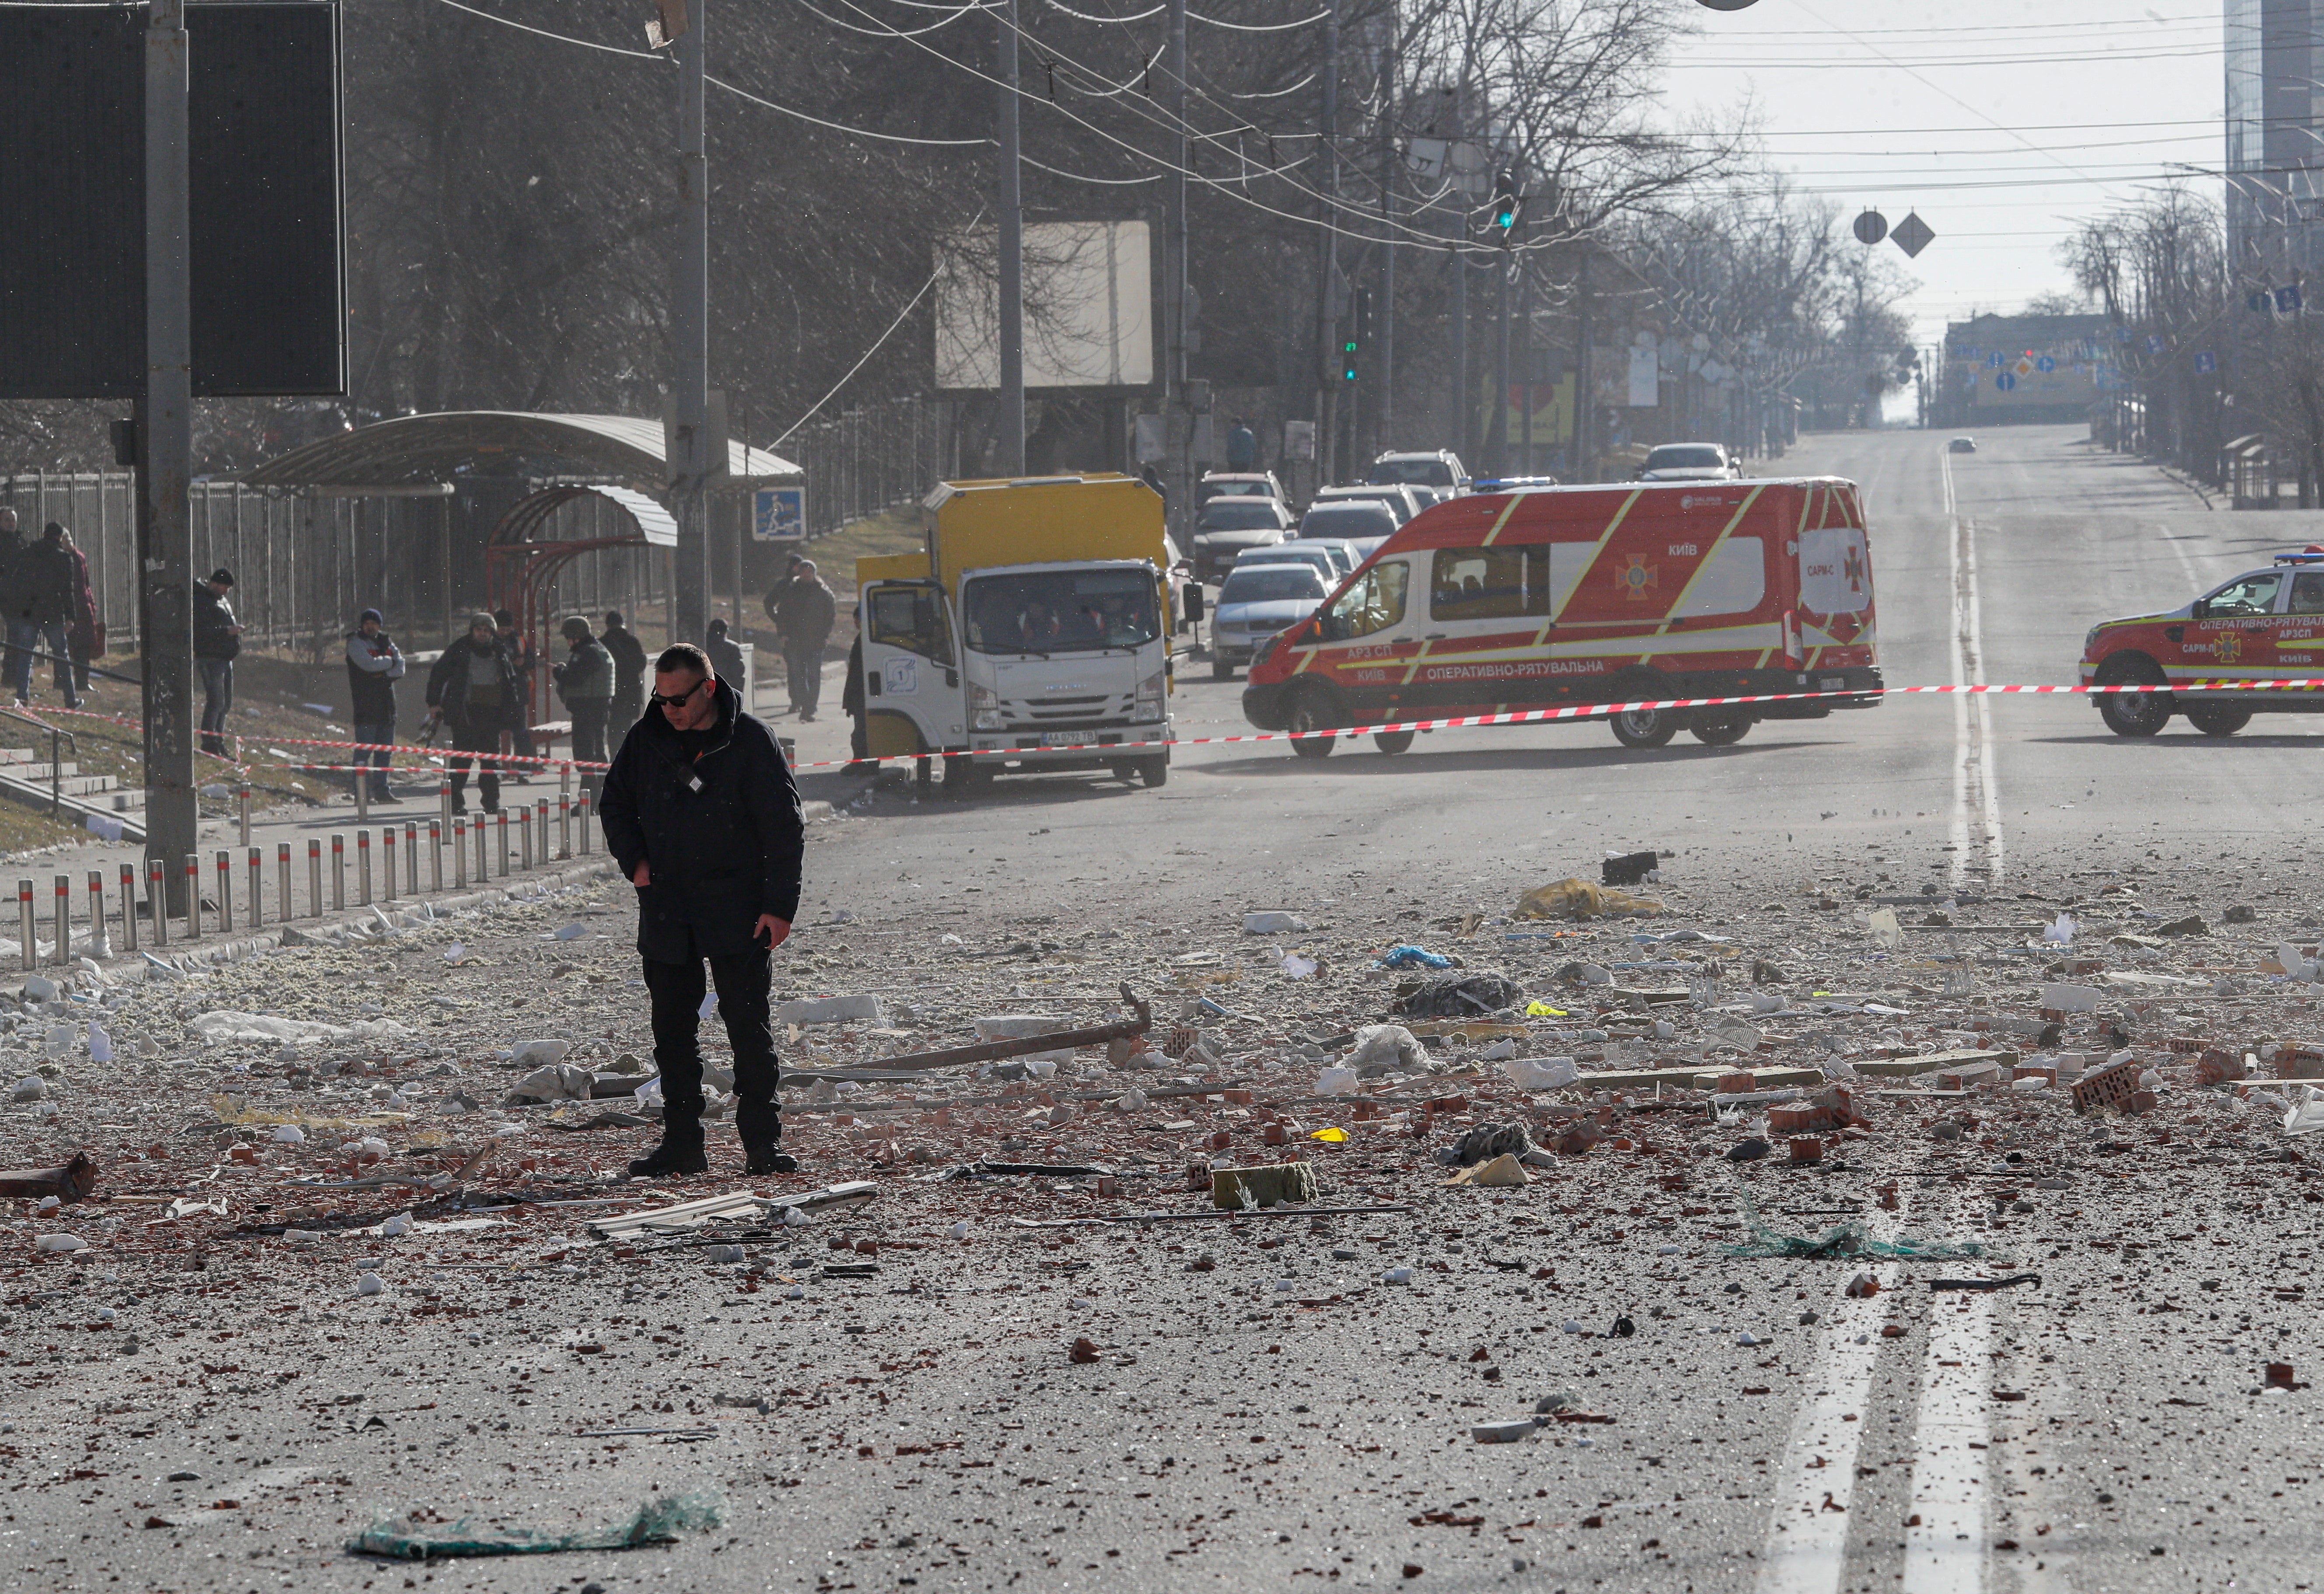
(1689, 461)
(1256, 602)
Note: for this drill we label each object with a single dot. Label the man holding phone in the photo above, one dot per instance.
(701, 813)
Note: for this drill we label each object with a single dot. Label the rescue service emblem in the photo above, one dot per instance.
(1637, 578)
(2228, 647)
(1852, 566)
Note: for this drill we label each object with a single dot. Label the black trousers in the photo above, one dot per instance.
(744, 980)
(477, 736)
(589, 732)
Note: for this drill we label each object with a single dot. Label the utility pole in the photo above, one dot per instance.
(1012, 258)
(1457, 312)
(1584, 408)
(1327, 252)
(1525, 364)
(1503, 268)
(165, 439)
(1178, 463)
(689, 333)
(1391, 159)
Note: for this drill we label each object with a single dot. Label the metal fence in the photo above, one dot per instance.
(871, 458)
(305, 567)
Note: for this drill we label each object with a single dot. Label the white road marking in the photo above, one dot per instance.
(1945, 1553)
(1807, 1544)
(1974, 776)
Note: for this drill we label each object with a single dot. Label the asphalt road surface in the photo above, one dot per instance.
(1279, 1415)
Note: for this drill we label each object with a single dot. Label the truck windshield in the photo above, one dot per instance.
(1061, 612)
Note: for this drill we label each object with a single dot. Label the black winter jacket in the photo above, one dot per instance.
(447, 688)
(40, 582)
(629, 663)
(721, 855)
(214, 625)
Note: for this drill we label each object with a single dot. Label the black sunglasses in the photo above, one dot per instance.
(656, 700)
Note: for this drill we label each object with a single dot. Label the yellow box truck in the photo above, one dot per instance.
(1031, 633)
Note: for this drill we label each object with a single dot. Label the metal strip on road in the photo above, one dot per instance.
(1807, 1545)
(1945, 1535)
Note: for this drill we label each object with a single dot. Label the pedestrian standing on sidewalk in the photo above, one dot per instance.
(218, 638)
(521, 656)
(700, 812)
(726, 657)
(472, 689)
(38, 584)
(804, 611)
(375, 663)
(80, 617)
(629, 676)
(585, 685)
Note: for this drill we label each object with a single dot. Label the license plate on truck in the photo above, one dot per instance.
(1065, 738)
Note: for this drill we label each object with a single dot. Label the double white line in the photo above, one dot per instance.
(1974, 776)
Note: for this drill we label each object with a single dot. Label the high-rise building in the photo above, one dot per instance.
(2275, 138)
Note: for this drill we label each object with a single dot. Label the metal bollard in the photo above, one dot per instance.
(315, 876)
(257, 887)
(282, 881)
(540, 829)
(476, 829)
(460, 854)
(128, 906)
(24, 936)
(362, 869)
(524, 838)
(225, 891)
(244, 795)
(500, 829)
(583, 808)
(338, 872)
(193, 897)
(387, 863)
(96, 936)
(411, 857)
(565, 779)
(436, 855)
(64, 919)
(444, 802)
(363, 796)
(564, 824)
(157, 903)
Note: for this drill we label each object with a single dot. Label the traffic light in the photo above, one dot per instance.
(1507, 205)
(1359, 331)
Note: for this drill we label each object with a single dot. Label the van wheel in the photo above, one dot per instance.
(2133, 713)
(1310, 712)
(1221, 670)
(1393, 741)
(1155, 770)
(1645, 727)
(2218, 719)
(1720, 732)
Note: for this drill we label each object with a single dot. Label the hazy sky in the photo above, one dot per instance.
(2002, 123)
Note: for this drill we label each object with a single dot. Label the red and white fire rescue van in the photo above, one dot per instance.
(2265, 625)
(1551, 596)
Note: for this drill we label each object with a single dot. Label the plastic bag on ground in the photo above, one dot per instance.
(1382, 1046)
(657, 1522)
(1463, 996)
(224, 1023)
(554, 1082)
(2305, 1116)
(1274, 922)
(1336, 1082)
(1408, 956)
(1541, 1073)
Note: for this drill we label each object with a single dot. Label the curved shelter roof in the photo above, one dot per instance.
(419, 451)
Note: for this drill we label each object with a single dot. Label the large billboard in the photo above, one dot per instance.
(1088, 307)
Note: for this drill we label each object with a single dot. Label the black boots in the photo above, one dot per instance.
(681, 1151)
(759, 1125)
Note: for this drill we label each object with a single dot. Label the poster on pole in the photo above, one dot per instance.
(1088, 307)
(1645, 379)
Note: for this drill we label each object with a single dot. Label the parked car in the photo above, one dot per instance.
(1440, 468)
(1237, 484)
(1348, 520)
(1254, 604)
(1224, 526)
(1334, 559)
(1689, 461)
(1961, 445)
(1399, 498)
(2263, 627)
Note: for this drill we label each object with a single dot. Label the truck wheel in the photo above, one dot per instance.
(1393, 741)
(966, 777)
(1221, 670)
(1720, 732)
(1311, 711)
(2133, 713)
(1155, 770)
(2218, 719)
(1644, 727)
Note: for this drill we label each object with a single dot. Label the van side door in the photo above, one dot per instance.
(911, 671)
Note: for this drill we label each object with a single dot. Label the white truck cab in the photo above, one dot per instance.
(1057, 662)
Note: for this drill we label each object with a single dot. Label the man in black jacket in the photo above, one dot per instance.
(375, 663)
(700, 812)
(629, 676)
(218, 638)
(39, 582)
(473, 688)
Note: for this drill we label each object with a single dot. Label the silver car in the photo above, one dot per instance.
(1256, 602)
